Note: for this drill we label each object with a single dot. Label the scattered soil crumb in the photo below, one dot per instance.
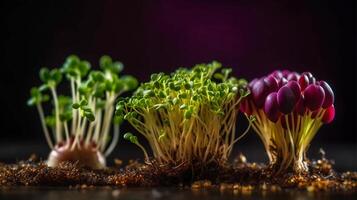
(239, 177)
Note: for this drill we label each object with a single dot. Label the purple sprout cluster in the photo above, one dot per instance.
(285, 92)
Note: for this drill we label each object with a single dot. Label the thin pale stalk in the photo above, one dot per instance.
(114, 140)
(44, 127)
(58, 122)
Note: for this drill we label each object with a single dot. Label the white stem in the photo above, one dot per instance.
(78, 115)
(92, 103)
(77, 133)
(114, 140)
(106, 121)
(44, 127)
(97, 127)
(58, 122)
(74, 112)
(90, 132)
(66, 130)
(106, 126)
(83, 127)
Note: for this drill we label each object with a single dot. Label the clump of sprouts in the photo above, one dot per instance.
(289, 109)
(188, 116)
(78, 128)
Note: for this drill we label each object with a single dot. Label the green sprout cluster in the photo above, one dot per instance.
(186, 116)
(85, 116)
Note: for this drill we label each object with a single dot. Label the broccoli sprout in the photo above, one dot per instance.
(78, 128)
(289, 108)
(186, 116)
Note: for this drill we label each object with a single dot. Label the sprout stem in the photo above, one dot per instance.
(286, 147)
(66, 130)
(58, 122)
(109, 110)
(242, 135)
(146, 156)
(74, 100)
(83, 128)
(114, 140)
(44, 127)
(97, 126)
(90, 132)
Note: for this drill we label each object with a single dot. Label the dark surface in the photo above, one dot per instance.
(344, 155)
(159, 194)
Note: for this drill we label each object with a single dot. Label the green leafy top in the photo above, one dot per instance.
(96, 84)
(74, 67)
(37, 97)
(187, 89)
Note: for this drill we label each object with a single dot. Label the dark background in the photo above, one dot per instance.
(252, 37)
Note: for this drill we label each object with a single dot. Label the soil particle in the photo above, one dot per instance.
(240, 176)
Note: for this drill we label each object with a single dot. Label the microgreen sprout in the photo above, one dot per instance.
(81, 123)
(289, 108)
(188, 115)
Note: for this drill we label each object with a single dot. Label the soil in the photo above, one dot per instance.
(238, 176)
